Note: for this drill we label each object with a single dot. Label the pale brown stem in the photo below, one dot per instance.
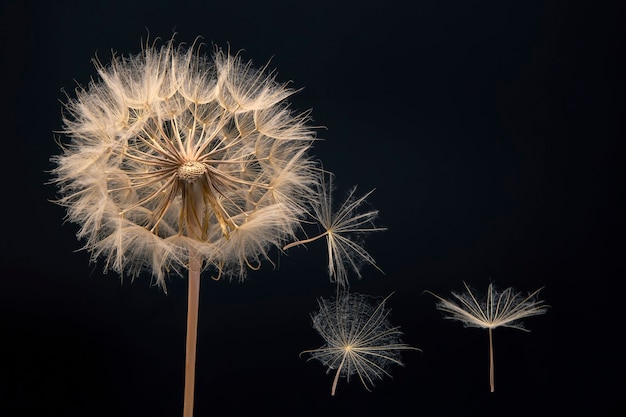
(192, 335)
(491, 371)
(302, 242)
(332, 391)
(193, 216)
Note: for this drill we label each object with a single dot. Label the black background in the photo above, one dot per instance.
(492, 133)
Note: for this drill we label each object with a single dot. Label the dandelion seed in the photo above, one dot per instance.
(498, 309)
(343, 231)
(180, 162)
(359, 339)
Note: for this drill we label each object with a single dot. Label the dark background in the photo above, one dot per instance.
(492, 133)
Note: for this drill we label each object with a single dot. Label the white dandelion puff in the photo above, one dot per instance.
(172, 150)
(359, 339)
(180, 162)
(497, 309)
(343, 230)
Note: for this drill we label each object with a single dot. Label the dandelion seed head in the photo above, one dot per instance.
(359, 338)
(344, 229)
(497, 308)
(171, 152)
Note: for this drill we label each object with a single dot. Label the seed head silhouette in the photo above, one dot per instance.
(359, 339)
(181, 162)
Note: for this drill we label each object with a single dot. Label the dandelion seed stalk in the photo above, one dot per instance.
(192, 336)
(492, 382)
(336, 379)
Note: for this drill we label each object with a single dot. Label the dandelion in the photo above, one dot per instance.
(359, 338)
(177, 161)
(498, 309)
(343, 231)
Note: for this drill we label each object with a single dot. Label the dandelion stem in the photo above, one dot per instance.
(332, 391)
(195, 206)
(491, 371)
(192, 334)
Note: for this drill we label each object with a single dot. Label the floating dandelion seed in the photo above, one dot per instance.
(343, 230)
(182, 162)
(359, 338)
(497, 309)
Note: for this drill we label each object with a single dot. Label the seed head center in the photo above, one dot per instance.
(190, 171)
